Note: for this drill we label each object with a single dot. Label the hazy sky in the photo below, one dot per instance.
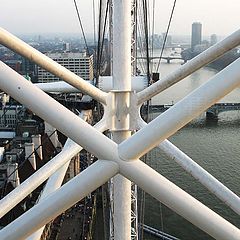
(49, 16)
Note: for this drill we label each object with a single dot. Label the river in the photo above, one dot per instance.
(212, 144)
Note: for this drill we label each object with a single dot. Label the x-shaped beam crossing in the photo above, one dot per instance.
(122, 158)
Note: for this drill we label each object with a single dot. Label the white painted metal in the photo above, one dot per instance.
(199, 61)
(205, 178)
(121, 200)
(134, 187)
(62, 199)
(121, 88)
(53, 183)
(122, 45)
(17, 45)
(18, 194)
(181, 113)
(134, 212)
(138, 83)
(56, 114)
(151, 135)
(178, 200)
(57, 87)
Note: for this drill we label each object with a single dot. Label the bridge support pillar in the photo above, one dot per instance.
(211, 115)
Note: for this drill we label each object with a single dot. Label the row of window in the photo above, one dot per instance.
(71, 60)
(6, 116)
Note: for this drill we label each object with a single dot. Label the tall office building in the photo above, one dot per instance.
(196, 34)
(78, 63)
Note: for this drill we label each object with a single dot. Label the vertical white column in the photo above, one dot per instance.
(121, 201)
(121, 89)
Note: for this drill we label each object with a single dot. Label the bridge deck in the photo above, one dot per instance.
(216, 108)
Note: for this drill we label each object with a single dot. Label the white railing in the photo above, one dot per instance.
(121, 116)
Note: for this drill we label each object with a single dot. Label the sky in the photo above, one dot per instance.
(220, 17)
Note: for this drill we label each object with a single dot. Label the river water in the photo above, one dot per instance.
(212, 144)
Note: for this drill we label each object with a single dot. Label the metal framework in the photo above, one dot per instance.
(121, 156)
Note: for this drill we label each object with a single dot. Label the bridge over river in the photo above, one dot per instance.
(168, 58)
(211, 112)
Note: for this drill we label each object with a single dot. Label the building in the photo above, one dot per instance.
(168, 39)
(66, 47)
(196, 34)
(213, 39)
(16, 65)
(156, 41)
(78, 63)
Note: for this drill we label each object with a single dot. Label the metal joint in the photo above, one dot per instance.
(121, 110)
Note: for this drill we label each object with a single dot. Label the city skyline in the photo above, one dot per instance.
(60, 16)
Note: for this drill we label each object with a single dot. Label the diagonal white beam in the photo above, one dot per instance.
(20, 47)
(181, 113)
(60, 86)
(24, 189)
(59, 201)
(178, 200)
(191, 66)
(53, 183)
(200, 174)
(138, 83)
(56, 114)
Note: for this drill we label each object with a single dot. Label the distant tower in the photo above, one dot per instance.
(196, 34)
(213, 39)
(66, 47)
(168, 40)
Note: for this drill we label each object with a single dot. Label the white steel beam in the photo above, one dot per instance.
(138, 83)
(122, 45)
(181, 113)
(53, 183)
(205, 178)
(121, 202)
(18, 194)
(60, 86)
(178, 200)
(59, 201)
(200, 174)
(22, 48)
(56, 114)
(191, 66)
(121, 89)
